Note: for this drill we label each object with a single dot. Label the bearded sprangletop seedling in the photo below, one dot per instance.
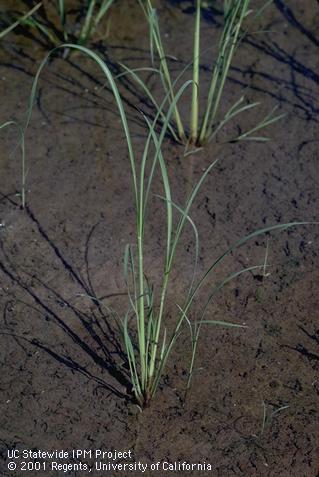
(204, 127)
(147, 337)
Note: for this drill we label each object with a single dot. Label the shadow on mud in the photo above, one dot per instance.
(97, 325)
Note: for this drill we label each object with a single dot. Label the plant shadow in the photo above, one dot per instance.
(95, 336)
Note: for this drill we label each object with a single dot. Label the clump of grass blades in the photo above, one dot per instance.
(147, 339)
(204, 129)
(267, 417)
(95, 12)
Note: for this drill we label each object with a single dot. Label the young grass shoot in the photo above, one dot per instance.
(148, 338)
(204, 126)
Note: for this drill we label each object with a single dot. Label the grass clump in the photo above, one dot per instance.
(147, 337)
(204, 127)
(92, 15)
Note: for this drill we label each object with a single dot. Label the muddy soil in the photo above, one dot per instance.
(63, 382)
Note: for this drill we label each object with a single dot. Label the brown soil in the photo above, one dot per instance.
(59, 387)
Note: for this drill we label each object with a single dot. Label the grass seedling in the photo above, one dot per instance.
(95, 12)
(148, 338)
(203, 128)
(267, 417)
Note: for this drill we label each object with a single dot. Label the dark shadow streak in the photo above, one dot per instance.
(67, 361)
(314, 337)
(113, 371)
(88, 321)
(57, 252)
(275, 51)
(16, 68)
(300, 348)
(87, 288)
(290, 17)
(308, 354)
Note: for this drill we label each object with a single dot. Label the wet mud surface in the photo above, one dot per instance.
(63, 382)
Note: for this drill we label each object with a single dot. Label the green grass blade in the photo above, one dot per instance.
(113, 314)
(235, 12)
(195, 89)
(189, 219)
(33, 23)
(238, 244)
(232, 113)
(128, 263)
(20, 20)
(214, 322)
(158, 157)
(132, 362)
(156, 40)
(104, 7)
(223, 323)
(186, 209)
(114, 89)
(146, 90)
(87, 26)
(266, 121)
(264, 418)
(62, 15)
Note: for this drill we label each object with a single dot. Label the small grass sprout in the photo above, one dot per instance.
(268, 416)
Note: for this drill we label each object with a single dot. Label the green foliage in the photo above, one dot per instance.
(147, 339)
(95, 12)
(267, 417)
(20, 20)
(203, 128)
